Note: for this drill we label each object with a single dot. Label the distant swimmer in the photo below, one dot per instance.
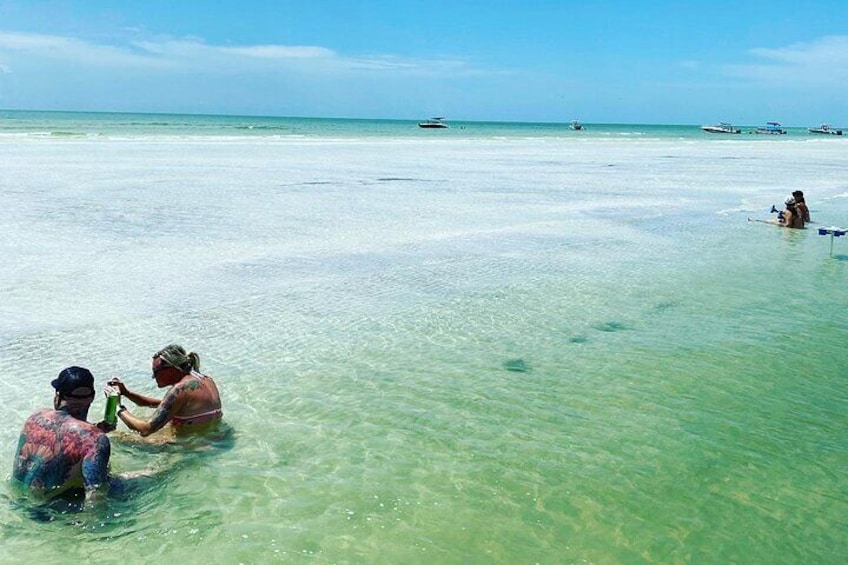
(801, 205)
(192, 404)
(58, 450)
(792, 217)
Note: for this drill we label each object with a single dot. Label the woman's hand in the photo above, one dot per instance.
(116, 382)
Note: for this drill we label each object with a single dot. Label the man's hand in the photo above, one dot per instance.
(106, 427)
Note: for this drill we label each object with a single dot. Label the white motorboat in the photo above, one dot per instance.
(825, 129)
(721, 127)
(433, 123)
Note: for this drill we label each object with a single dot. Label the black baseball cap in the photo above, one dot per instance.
(74, 382)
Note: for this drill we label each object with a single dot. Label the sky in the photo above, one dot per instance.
(601, 61)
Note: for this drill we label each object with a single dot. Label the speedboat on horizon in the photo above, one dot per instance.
(721, 127)
(771, 128)
(826, 129)
(575, 125)
(433, 123)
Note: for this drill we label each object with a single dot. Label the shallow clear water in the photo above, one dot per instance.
(445, 350)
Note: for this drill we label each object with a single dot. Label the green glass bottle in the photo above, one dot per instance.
(112, 400)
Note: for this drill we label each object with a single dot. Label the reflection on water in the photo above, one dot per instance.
(519, 354)
(219, 438)
(162, 460)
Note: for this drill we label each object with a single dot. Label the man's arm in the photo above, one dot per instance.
(95, 470)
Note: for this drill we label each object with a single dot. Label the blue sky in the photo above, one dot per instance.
(626, 61)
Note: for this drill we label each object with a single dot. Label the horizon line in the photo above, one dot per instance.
(272, 116)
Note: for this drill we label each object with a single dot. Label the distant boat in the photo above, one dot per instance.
(433, 123)
(825, 129)
(721, 127)
(576, 126)
(772, 128)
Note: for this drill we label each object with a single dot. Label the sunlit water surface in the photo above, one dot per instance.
(439, 350)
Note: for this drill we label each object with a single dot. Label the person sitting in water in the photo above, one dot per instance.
(801, 206)
(59, 451)
(192, 404)
(791, 216)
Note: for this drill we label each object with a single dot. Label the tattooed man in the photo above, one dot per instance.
(58, 449)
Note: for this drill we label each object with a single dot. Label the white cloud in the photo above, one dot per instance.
(830, 50)
(819, 62)
(74, 50)
(198, 56)
(188, 74)
(388, 63)
(279, 51)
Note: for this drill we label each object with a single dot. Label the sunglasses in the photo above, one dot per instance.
(162, 367)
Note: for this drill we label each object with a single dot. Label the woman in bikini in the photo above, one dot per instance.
(192, 404)
(791, 217)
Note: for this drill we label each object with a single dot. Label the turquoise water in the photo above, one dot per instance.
(94, 124)
(501, 349)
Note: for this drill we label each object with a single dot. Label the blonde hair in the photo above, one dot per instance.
(176, 356)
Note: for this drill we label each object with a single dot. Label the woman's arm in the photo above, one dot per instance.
(142, 400)
(134, 397)
(161, 417)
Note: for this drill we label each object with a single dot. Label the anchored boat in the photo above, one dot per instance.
(721, 127)
(825, 129)
(433, 123)
(772, 128)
